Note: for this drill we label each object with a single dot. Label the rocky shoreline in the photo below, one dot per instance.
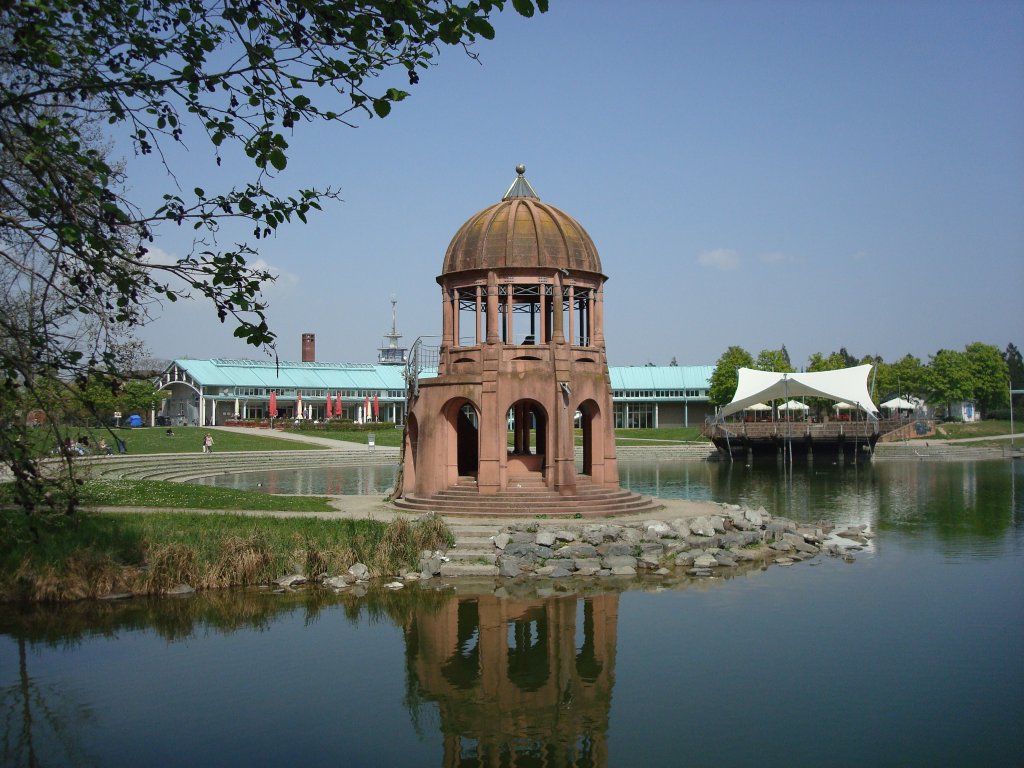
(694, 548)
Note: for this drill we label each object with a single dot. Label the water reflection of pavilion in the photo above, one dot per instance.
(518, 682)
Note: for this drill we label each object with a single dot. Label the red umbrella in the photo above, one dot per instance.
(337, 406)
(273, 404)
(376, 409)
(330, 412)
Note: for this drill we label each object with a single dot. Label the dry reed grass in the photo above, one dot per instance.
(234, 560)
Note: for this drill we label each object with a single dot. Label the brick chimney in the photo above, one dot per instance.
(309, 347)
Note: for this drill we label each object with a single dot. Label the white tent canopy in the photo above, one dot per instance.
(793, 405)
(847, 384)
(841, 406)
(758, 407)
(898, 403)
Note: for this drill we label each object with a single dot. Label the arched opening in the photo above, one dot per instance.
(465, 437)
(412, 439)
(590, 420)
(527, 422)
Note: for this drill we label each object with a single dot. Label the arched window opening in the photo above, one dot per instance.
(467, 439)
(527, 424)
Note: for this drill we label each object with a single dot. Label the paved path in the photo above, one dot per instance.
(301, 437)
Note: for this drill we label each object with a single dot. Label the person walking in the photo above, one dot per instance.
(208, 443)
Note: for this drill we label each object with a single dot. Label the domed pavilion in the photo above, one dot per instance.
(522, 366)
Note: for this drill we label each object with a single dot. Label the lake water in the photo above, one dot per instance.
(909, 656)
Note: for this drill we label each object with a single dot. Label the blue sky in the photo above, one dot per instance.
(814, 174)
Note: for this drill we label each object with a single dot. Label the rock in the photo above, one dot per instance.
(663, 572)
(292, 580)
(740, 522)
(700, 572)
(705, 561)
(657, 529)
(579, 549)
(561, 562)
(718, 523)
(615, 549)
(180, 589)
(360, 571)
(725, 561)
(335, 582)
(703, 542)
(565, 536)
(702, 526)
(630, 535)
(590, 564)
(544, 538)
(394, 585)
(615, 561)
(430, 566)
(781, 546)
(502, 540)
(754, 517)
(623, 570)
(684, 560)
(784, 561)
(742, 555)
(853, 534)
(509, 567)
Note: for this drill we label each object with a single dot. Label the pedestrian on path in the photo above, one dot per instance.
(208, 443)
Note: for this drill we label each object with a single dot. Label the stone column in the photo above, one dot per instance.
(446, 318)
(492, 308)
(557, 332)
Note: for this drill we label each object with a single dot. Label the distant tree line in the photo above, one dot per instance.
(979, 373)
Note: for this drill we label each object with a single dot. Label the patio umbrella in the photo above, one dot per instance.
(236, 407)
(298, 405)
(337, 405)
(376, 409)
(273, 404)
(330, 411)
(366, 409)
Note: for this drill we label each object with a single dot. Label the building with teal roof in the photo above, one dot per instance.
(212, 392)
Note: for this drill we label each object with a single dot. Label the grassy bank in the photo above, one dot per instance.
(164, 494)
(956, 430)
(92, 555)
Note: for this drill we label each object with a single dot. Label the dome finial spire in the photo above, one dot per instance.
(521, 187)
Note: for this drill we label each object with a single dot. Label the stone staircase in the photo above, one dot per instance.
(473, 553)
(529, 497)
(922, 449)
(186, 466)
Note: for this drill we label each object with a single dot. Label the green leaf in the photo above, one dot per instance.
(523, 7)
(382, 107)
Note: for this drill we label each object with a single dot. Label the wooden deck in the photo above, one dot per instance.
(802, 436)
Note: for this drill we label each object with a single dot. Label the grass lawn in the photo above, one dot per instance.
(387, 436)
(954, 430)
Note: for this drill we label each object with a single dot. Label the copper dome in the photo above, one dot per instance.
(521, 231)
